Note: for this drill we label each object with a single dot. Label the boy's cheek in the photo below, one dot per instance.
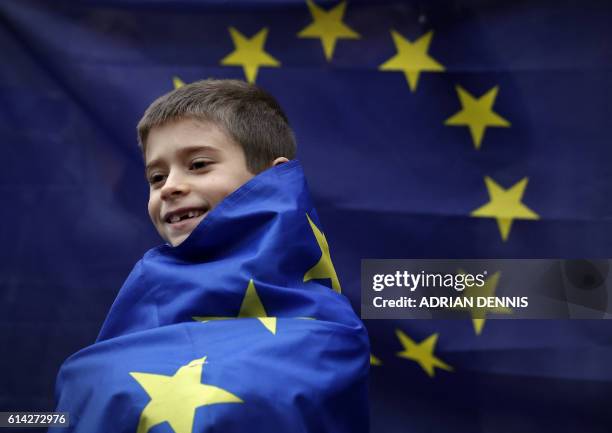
(153, 211)
(151, 207)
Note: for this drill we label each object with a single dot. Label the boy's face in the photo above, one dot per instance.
(191, 166)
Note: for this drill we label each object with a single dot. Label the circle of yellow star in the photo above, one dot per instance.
(477, 114)
(374, 360)
(328, 26)
(324, 268)
(488, 289)
(177, 82)
(505, 205)
(175, 398)
(412, 58)
(422, 353)
(249, 53)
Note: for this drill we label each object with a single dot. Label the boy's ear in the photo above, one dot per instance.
(279, 160)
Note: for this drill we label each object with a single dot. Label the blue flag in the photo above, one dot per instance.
(232, 330)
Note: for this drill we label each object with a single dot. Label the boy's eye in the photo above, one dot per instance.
(156, 178)
(197, 164)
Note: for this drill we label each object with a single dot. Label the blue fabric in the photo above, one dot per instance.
(309, 375)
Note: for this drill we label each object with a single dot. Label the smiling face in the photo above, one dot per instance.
(191, 166)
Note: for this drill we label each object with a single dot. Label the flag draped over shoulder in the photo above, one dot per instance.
(427, 129)
(229, 331)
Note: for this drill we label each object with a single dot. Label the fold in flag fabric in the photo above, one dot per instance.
(227, 332)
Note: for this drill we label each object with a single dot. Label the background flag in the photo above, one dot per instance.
(439, 129)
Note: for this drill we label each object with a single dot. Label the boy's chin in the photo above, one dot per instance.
(175, 241)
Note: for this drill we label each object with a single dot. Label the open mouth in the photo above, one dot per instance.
(178, 216)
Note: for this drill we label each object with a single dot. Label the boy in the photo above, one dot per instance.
(233, 148)
(235, 323)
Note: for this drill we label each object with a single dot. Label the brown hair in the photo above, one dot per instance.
(251, 116)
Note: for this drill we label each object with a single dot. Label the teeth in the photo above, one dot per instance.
(191, 214)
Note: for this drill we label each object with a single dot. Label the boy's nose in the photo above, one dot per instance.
(174, 186)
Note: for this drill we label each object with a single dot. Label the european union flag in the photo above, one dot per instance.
(441, 129)
(231, 330)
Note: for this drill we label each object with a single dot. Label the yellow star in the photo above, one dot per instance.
(177, 82)
(422, 352)
(249, 53)
(324, 267)
(505, 205)
(374, 360)
(487, 289)
(412, 58)
(328, 26)
(477, 114)
(175, 398)
(251, 307)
